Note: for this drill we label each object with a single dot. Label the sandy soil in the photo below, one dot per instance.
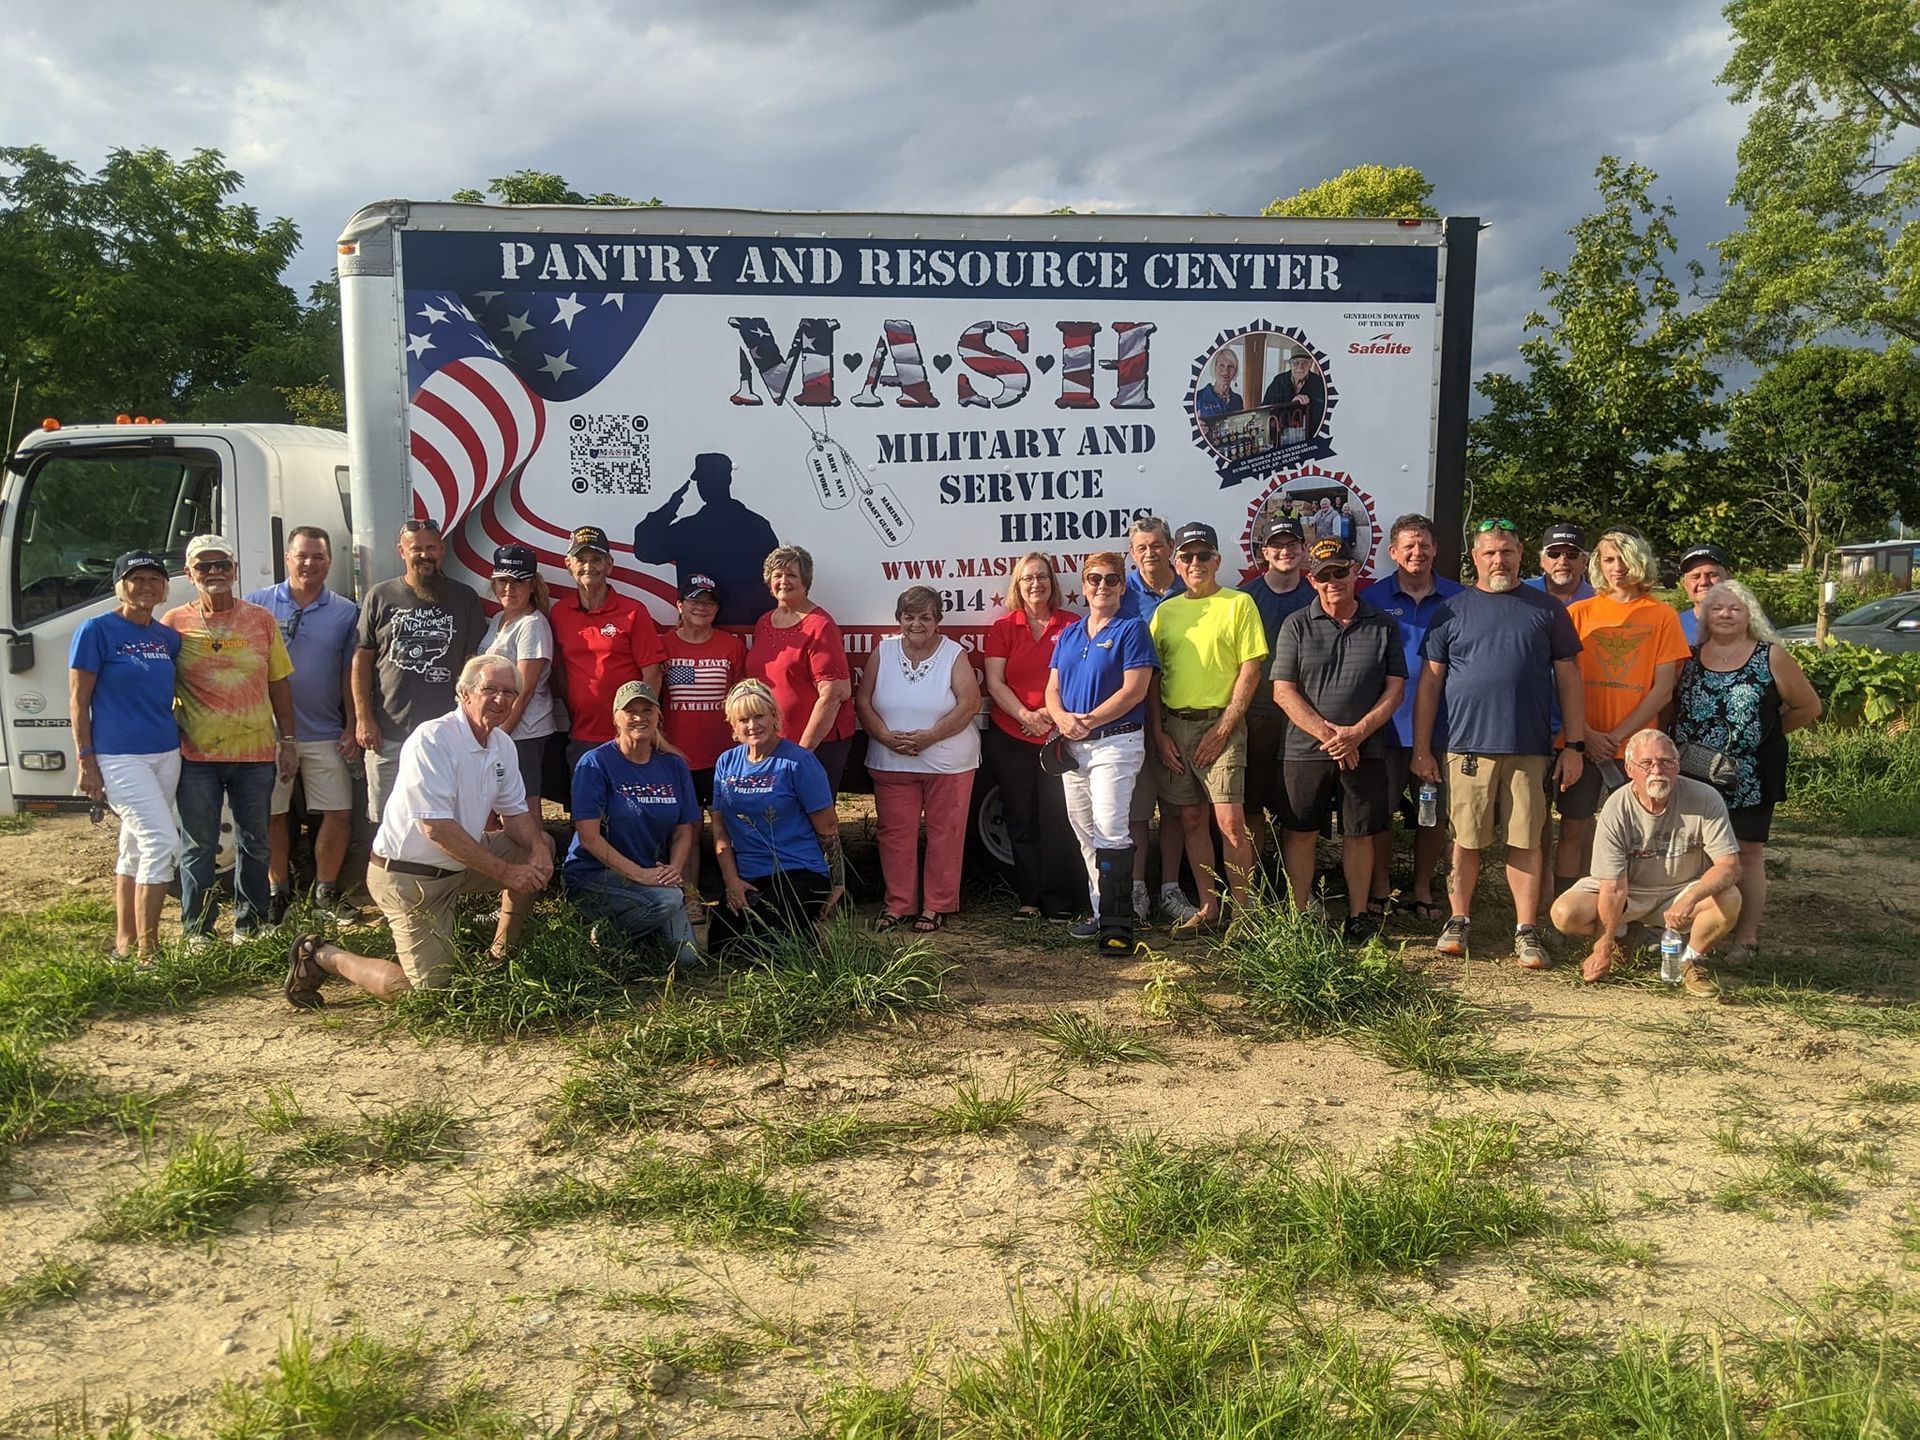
(926, 1239)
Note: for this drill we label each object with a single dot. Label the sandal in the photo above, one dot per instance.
(886, 920)
(928, 922)
(1027, 912)
(1429, 910)
(1380, 905)
(304, 973)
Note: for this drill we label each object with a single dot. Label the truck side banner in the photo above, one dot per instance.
(910, 412)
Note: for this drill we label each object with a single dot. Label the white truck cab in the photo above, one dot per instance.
(77, 496)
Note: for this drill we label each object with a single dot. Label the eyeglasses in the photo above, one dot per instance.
(411, 527)
(211, 567)
(1197, 557)
(1333, 574)
(1563, 552)
(1496, 524)
(1665, 762)
(495, 692)
(1094, 580)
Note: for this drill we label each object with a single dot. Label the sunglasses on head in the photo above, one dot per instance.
(1497, 524)
(1095, 579)
(411, 527)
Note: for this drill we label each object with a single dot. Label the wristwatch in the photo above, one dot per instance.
(1579, 745)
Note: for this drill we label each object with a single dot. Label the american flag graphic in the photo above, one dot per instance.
(482, 368)
(697, 684)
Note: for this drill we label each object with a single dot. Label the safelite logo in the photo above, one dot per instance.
(1384, 343)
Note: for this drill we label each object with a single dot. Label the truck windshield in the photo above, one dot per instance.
(77, 512)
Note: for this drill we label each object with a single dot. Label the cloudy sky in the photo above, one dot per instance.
(966, 105)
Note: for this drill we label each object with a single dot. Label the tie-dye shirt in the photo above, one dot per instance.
(221, 676)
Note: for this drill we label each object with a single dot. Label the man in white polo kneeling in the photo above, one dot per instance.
(455, 772)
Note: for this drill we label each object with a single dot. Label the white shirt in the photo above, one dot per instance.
(528, 638)
(446, 774)
(910, 697)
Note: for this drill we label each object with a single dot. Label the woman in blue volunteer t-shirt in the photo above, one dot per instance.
(634, 818)
(120, 689)
(1096, 694)
(775, 832)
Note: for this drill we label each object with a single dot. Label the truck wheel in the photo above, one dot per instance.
(990, 852)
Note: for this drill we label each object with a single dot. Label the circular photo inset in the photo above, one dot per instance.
(1326, 508)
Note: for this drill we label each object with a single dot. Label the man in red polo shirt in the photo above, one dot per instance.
(604, 638)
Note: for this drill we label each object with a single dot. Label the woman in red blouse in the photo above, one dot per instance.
(798, 651)
(1019, 658)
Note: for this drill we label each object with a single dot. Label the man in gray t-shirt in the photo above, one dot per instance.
(1663, 846)
(415, 634)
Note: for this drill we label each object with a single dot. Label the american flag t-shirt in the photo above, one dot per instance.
(695, 685)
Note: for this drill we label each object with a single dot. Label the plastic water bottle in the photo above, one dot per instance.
(1672, 946)
(1429, 799)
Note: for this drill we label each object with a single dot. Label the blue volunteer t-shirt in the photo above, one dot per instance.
(1499, 652)
(320, 640)
(766, 804)
(1092, 668)
(1414, 617)
(638, 806)
(132, 666)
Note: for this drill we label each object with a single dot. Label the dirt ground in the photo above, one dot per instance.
(925, 1240)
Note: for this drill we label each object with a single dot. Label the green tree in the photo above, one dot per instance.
(1824, 449)
(1378, 192)
(142, 288)
(1609, 419)
(301, 366)
(1829, 172)
(541, 187)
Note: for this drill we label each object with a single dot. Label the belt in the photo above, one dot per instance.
(1124, 727)
(1213, 714)
(407, 867)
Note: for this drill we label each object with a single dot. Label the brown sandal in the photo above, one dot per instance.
(304, 973)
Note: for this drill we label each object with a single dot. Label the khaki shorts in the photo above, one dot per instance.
(1504, 799)
(1146, 789)
(323, 769)
(1639, 905)
(419, 911)
(1222, 783)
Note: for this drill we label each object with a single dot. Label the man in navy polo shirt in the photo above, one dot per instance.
(1412, 595)
(319, 628)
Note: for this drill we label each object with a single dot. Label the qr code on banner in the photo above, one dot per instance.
(611, 455)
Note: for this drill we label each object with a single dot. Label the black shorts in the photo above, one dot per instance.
(1265, 786)
(1752, 824)
(1403, 787)
(1580, 800)
(1365, 806)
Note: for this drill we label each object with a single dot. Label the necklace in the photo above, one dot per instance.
(216, 638)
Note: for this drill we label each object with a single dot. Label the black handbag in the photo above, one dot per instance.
(1703, 762)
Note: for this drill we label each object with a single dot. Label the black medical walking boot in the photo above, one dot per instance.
(1115, 868)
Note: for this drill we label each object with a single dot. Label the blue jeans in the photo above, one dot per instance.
(641, 911)
(247, 788)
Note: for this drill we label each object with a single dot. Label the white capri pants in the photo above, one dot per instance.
(141, 789)
(1100, 795)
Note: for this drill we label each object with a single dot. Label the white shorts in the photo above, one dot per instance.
(329, 782)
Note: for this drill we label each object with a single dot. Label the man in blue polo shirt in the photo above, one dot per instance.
(1277, 592)
(1701, 568)
(1412, 595)
(319, 628)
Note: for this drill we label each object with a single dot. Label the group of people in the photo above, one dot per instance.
(1254, 713)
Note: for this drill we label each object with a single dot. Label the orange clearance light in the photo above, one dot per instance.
(49, 423)
(123, 418)
(349, 248)
(1408, 222)
(139, 419)
(156, 420)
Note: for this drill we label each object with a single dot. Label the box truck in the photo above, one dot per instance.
(915, 399)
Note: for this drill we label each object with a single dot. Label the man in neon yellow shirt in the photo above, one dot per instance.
(1212, 649)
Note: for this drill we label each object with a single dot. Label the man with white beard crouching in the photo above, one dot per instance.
(1663, 846)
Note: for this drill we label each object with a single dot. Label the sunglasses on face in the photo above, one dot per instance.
(212, 567)
(1563, 552)
(1333, 574)
(1497, 524)
(1198, 557)
(1094, 580)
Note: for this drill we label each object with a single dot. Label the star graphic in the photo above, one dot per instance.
(556, 365)
(570, 306)
(615, 298)
(487, 297)
(418, 345)
(518, 325)
(432, 316)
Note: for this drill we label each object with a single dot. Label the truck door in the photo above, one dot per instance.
(70, 508)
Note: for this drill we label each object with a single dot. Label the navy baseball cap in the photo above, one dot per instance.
(1282, 527)
(698, 584)
(589, 537)
(1564, 532)
(137, 560)
(1702, 554)
(514, 562)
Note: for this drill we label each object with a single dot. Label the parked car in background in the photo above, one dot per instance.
(1890, 624)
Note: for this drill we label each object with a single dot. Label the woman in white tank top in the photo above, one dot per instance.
(918, 700)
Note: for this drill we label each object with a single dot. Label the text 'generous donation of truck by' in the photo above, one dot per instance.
(915, 399)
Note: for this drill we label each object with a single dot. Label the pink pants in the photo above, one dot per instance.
(900, 798)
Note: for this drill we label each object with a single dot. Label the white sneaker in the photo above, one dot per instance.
(1142, 901)
(1175, 905)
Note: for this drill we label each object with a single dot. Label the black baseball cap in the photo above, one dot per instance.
(1281, 527)
(589, 537)
(514, 562)
(698, 584)
(137, 560)
(1701, 554)
(1327, 554)
(1564, 532)
(1195, 532)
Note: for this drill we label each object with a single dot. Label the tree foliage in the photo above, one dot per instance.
(1377, 192)
(1828, 173)
(1610, 418)
(141, 288)
(1824, 449)
(541, 187)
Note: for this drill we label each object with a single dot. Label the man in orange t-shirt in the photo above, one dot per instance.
(1631, 650)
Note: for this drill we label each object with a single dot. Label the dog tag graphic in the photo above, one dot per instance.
(832, 471)
(880, 505)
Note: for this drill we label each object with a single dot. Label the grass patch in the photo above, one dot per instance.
(1888, 1092)
(614, 1095)
(41, 1097)
(1298, 973)
(197, 1191)
(794, 1139)
(689, 1352)
(1443, 1039)
(1853, 781)
(670, 1301)
(280, 1113)
(1303, 1216)
(1829, 1011)
(52, 1279)
(701, 1200)
(975, 1111)
(1079, 1039)
(424, 1131)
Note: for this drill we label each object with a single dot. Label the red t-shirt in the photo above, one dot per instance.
(693, 693)
(600, 652)
(1010, 638)
(793, 662)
